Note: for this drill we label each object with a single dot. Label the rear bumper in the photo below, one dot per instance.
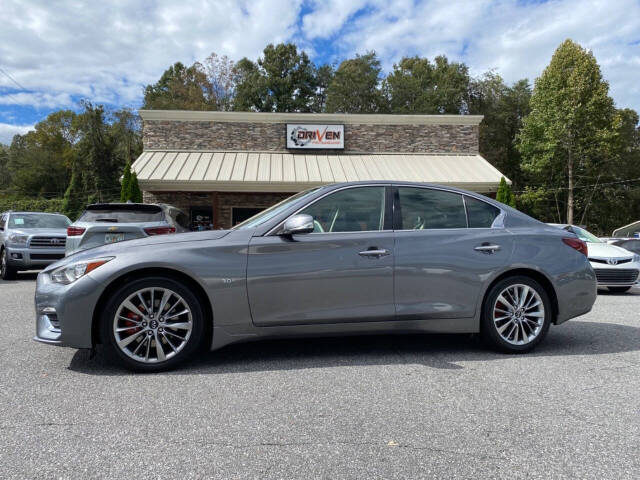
(32, 258)
(576, 293)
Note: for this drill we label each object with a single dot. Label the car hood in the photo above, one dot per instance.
(41, 231)
(606, 250)
(120, 247)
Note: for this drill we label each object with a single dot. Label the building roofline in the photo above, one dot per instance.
(337, 118)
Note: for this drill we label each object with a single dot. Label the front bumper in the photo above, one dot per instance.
(622, 275)
(23, 258)
(64, 313)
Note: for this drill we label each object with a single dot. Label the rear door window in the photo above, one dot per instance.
(123, 215)
(481, 214)
(425, 209)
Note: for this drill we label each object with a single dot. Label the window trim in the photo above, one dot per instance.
(398, 209)
(273, 232)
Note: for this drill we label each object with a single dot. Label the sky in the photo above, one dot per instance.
(53, 54)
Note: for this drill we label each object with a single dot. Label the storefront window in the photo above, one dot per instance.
(201, 218)
(240, 214)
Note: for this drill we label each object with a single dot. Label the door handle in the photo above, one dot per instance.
(486, 248)
(377, 253)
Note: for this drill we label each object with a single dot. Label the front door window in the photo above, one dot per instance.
(357, 209)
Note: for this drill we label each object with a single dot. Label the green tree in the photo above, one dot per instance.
(570, 130)
(39, 162)
(418, 86)
(504, 108)
(355, 87)
(181, 88)
(75, 199)
(505, 194)
(126, 182)
(5, 177)
(282, 80)
(134, 194)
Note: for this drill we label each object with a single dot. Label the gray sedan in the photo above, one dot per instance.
(352, 258)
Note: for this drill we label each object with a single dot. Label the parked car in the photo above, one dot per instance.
(30, 240)
(616, 268)
(104, 223)
(627, 237)
(351, 258)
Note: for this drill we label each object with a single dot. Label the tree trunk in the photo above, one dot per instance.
(570, 190)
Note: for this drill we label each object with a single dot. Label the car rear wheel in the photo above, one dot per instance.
(152, 324)
(7, 272)
(516, 315)
(618, 289)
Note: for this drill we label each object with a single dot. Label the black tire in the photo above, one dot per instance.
(7, 272)
(191, 346)
(489, 330)
(618, 289)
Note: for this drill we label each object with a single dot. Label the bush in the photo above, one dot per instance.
(51, 205)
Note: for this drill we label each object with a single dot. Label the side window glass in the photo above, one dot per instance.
(481, 214)
(424, 208)
(3, 218)
(357, 209)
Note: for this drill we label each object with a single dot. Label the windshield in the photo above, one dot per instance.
(37, 220)
(585, 236)
(122, 215)
(271, 212)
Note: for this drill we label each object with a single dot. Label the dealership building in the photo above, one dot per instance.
(223, 167)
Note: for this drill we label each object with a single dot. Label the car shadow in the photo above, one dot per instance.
(429, 350)
(23, 276)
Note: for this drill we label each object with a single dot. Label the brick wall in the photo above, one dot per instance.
(203, 135)
(225, 202)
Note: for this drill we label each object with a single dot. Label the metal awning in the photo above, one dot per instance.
(179, 170)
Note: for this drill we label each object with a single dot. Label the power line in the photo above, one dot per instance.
(12, 79)
(558, 189)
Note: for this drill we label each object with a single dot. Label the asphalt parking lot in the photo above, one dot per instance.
(423, 406)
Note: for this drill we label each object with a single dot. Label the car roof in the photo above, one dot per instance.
(39, 213)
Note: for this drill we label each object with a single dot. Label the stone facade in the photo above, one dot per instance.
(359, 138)
(250, 132)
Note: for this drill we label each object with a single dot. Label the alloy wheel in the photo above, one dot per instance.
(152, 325)
(518, 314)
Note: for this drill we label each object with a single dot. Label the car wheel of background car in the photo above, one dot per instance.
(6, 271)
(516, 315)
(152, 324)
(618, 289)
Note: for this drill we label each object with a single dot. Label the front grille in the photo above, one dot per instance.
(618, 261)
(608, 276)
(47, 256)
(48, 242)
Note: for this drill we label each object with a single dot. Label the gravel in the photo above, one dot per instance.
(420, 406)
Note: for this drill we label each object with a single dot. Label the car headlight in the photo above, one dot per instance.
(18, 239)
(636, 258)
(73, 271)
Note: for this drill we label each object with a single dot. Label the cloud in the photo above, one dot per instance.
(515, 38)
(108, 51)
(7, 131)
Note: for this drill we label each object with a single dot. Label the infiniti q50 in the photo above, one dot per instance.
(351, 258)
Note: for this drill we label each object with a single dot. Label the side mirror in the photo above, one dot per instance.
(300, 223)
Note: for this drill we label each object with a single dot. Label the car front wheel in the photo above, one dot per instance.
(516, 315)
(152, 324)
(7, 272)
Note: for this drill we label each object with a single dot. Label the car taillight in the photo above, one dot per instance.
(74, 231)
(159, 230)
(576, 244)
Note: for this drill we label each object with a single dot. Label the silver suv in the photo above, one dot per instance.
(30, 240)
(104, 223)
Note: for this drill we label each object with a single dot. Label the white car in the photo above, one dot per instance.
(615, 268)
